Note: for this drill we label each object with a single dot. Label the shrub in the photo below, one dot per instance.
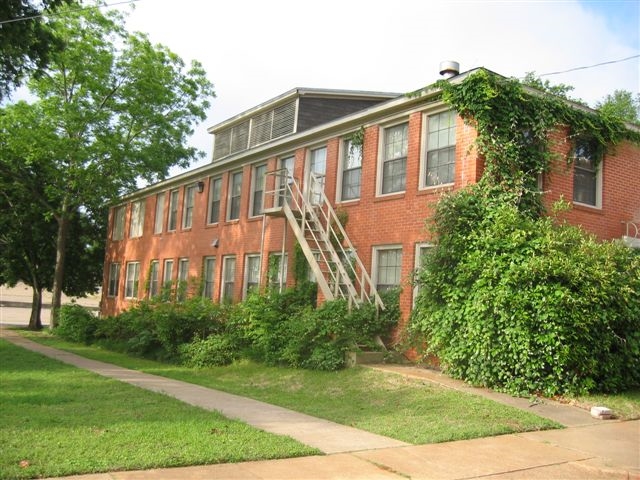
(76, 324)
(213, 351)
(528, 306)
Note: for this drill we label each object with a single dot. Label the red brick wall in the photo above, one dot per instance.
(373, 221)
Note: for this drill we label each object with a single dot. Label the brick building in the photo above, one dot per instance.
(312, 166)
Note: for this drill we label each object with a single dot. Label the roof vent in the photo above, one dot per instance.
(449, 69)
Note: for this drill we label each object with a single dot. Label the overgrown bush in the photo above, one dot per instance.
(525, 305)
(76, 324)
(214, 351)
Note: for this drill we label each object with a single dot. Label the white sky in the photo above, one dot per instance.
(255, 50)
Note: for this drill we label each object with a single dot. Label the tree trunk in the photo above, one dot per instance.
(35, 323)
(58, 276)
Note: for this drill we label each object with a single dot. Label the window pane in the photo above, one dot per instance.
(585, 174)
(159, 220)
(172, 221)
(441, 137)
(258, 189)
(118, 223)
(235, 195)
(209, 276)
(388, 269)
(187, 211)
(215, 189)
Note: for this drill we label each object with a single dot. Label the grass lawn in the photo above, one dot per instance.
(58, 420)
(406, 409)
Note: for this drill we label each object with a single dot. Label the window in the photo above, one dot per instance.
(153, 278)
(228, 277)
(278, 270)
(387, 268)
(137, 219)
(257, 192)
(215, 189)
(235, 193)
(351, 170)
(159, 220)
(317, 168)
(172, 221)
(441, 149)
(114, 280)
(167, 276)
(422, 250)
(183, 276)
(285, 165)
(118, 223)
(187, 208)
(132, 280)
(586, 174)
(394, 162)
(209, 277)
(251, 274)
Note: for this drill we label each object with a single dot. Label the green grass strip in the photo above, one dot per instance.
(406, 409)
(58, 420)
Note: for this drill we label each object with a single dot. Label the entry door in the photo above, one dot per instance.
(317, 166)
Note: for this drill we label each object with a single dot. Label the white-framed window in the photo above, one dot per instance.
(215, 192)
(387, 266)
(114, 279)
(422, 250)
(235, 195)
(285, 165)
(154, 278)
(228, 277)
(393, 166)
(317, 168)
(257, 189)
(172, 221)
(251, 274)
(587, 174)
(350, 170)
(159, 220)
(187, 207)
(118, 222)
(137, 219)
(209, 276)
(278, 270)
(132, 280)
(167, 274)
(439, 158)
(183, 277)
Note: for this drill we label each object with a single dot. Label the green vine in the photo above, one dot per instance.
(514, 124)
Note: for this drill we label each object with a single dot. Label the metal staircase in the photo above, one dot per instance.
(334, 262)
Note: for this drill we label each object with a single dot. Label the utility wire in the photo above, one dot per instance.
(52, 14)
(589, 66)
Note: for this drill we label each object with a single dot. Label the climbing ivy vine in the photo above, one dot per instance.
(512, 299)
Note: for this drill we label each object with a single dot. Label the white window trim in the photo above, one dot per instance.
(341, 154)
(158, 221)
(254, 171)
(173, 204)
(213, 276)
(417, 265)
(189, 192)
(118, 270)
(424, 146)
(119, 221)
(230, 195)
(151, 293)
(136, 224)
(126, 281)
(245, 277)
(381, 154)
(598, 205)
(165, 280)
(225, 266)
(374, 260)
(212, 181)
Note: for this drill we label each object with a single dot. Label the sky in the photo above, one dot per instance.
(255, 50)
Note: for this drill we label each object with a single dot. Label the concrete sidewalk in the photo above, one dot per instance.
(588, 449)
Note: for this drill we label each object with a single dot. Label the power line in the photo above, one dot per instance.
(589, 66)
(52, 14)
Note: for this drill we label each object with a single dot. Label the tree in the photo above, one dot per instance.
(621, 104)
(113, 109)
(25, 43)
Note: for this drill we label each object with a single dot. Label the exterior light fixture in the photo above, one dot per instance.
(200, 186)
(214, 243)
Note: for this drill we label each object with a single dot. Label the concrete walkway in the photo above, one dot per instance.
(588, 449)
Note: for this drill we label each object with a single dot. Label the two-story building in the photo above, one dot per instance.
(352, 177)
